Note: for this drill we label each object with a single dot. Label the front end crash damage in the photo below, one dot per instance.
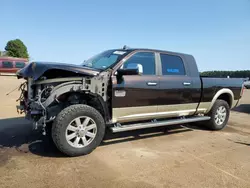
(41, 100)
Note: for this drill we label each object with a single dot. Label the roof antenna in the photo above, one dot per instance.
(125, 47)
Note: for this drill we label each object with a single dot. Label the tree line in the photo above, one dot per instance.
(16, 48)
(224, 74)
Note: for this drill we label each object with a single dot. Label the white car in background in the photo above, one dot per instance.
(247, 84)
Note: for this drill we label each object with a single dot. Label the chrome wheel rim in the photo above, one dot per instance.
(220, 115)
(81, 131)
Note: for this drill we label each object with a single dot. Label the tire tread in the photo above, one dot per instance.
(211, 123)
(59, 123)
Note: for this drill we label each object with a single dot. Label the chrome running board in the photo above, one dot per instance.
(129, 127)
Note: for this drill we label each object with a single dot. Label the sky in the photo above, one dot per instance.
(215, 32)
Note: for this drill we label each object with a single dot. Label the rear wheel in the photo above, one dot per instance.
(219, 115)
(78, 130)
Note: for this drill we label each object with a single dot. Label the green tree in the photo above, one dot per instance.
(16, 48)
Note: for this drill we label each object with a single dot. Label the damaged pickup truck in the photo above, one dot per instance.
(122, 89)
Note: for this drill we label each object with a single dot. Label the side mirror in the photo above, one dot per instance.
(131, 69)
(122, 72)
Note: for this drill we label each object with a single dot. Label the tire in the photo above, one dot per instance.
(218, 107)
(76, 121)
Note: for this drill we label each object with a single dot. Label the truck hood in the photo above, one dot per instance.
(37, 69)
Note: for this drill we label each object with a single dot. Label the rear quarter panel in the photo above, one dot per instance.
(212, 85)
(213, 88)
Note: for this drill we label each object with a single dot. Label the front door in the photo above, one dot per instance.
(135, 96)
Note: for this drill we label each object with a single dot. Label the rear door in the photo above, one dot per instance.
(179, 92)
(135, 96)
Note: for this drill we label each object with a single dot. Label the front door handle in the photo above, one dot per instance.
(186, 83)
(151, 83)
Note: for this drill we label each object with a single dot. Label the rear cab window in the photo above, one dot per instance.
(7, 64)
(172, 65)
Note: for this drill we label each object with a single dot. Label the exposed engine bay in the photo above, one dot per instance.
(41, 100)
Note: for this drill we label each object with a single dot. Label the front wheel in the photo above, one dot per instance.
(219, 115)
(78, 130)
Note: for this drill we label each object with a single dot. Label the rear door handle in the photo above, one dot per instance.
(151, 83)
(186, 83)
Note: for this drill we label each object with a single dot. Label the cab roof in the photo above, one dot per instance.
(153, 50)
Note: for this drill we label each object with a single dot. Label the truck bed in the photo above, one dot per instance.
(211, 86)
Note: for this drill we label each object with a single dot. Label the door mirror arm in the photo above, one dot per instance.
(122, 72)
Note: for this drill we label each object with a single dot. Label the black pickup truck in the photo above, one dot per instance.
(122, 89)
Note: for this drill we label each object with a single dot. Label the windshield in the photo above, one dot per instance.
(105, 59)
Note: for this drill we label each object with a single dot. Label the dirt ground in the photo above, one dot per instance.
(173, 156)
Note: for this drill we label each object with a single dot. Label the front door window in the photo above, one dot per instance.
(143, 61)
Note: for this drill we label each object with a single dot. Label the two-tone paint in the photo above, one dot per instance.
(164, 96)
(138, 97)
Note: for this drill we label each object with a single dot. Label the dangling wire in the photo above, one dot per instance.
(22, 88)
(18, 87)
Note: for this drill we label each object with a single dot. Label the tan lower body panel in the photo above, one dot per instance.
(205, 105)
(151, 112)
(132, 113)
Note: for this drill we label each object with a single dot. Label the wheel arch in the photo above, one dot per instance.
(93, 100)
(76, 87)
(223, 94)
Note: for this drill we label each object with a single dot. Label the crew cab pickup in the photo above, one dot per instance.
(122, 89)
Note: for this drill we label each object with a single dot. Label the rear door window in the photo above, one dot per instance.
(7, 64)
(20, 64)
(172, 65)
